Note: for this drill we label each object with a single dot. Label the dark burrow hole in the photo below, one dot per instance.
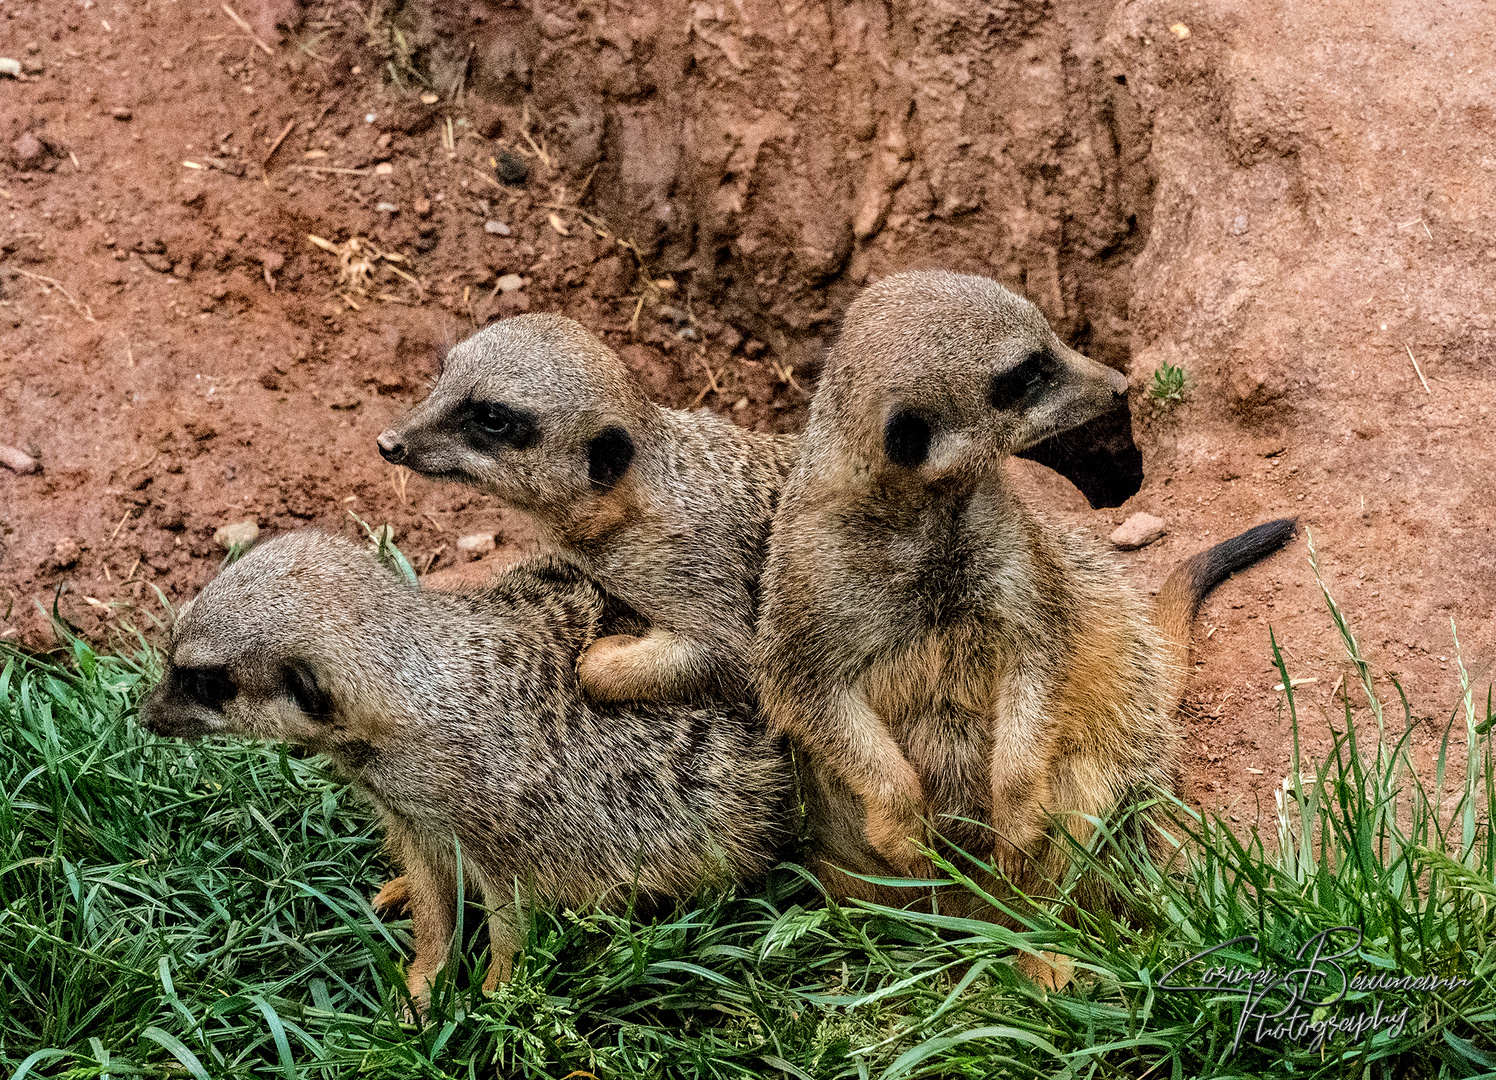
(1099, 458)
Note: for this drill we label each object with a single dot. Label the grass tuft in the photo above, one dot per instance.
(1170, 384)
(202, 910)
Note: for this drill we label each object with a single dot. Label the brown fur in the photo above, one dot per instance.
(936, 650)
(669, 511)
(459, 715)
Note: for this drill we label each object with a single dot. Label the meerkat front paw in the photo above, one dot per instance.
(1051, 970)
(894, 828)
(895, 837)
(621, 667)
(609, 668)
(393, 897)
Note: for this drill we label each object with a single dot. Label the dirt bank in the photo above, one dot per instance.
(1292, 205)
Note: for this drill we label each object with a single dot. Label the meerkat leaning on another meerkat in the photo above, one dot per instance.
(669, 511)
(459, 716)
(938, 652)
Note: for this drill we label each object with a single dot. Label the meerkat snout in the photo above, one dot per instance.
(391, 447)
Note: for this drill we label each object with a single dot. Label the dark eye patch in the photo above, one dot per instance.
(493, 425)
(906, 439)
(1023, 381)
(301, 685)
(210, 687)
(609, 455)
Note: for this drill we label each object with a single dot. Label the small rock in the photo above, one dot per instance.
(241, 535)
(18, 460)
(384, 168)
(28, 151)
(65, 555)
(1137, 531)
(510, 283)
(388, 381)
(33, 65)
(498, 228)
(387, 208)
(159, 263)
(476, 545)
(423, 208)
(10, 67)
(121, 113)
(510, 168)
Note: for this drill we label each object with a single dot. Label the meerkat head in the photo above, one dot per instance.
(533, 409)
(938, 375)
(275, 648)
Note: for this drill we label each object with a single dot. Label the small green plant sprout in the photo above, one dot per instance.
(382, 540)
(1169, 385)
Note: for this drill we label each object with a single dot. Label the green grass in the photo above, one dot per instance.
(1170, 384)
(201, 910)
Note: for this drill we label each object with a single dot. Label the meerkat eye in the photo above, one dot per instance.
(490, 425)
(494, 419)
(1021, 381)
(210, 687)
(906, 439)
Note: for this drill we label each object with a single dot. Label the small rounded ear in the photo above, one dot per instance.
(906, 439)
(609, 455)
(302, 688)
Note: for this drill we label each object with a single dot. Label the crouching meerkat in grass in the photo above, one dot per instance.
(937, 651)
(459, 715)
(667, 510)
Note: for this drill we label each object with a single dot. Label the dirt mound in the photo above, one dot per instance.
(1292, 205)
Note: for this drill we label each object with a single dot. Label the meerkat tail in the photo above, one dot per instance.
(1179, 599)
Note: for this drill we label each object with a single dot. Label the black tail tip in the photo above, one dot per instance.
(1218, 563)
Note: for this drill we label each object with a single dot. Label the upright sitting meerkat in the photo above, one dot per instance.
(459, 715)
(939, 652)
(667, 510)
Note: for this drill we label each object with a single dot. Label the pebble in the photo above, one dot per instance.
(476, 545)
(510, 167)
(1138, 531)
(10, 67)
(241, 535)
(18, 460)
(33, 65)
(28, 151)
(121, 113)
(387, 208)
(511, 283)
(498, 228)
(65, 555)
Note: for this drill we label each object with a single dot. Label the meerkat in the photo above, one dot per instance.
(937, 652)
(667, 510)
(459, 716)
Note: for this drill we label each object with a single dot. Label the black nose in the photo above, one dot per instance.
(391, 448)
